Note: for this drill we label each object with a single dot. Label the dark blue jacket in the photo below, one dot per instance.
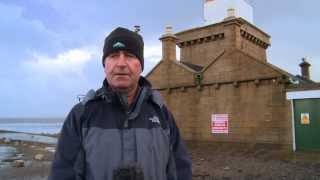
(103, 134)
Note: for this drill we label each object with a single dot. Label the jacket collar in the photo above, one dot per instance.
(106, 93)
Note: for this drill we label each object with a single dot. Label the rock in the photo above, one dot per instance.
(39, 157)
(16, 143)
(50, 149)
(226, 168)
(7, 140)
(18, 163)
(317, 166)
(20, 155)
(12, 159)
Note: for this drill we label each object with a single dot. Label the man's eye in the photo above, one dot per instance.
(113, 55)
(131, 55)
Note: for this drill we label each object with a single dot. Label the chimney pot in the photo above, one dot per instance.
(305, 72)
(168, 29)
(231, 12)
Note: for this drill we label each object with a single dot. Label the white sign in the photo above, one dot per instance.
(220, 123)
(305, 118)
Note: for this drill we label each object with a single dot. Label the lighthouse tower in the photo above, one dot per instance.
(217, 10)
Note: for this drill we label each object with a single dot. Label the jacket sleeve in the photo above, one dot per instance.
(180, 156)
(68, 147)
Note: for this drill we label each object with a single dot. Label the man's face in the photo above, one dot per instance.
(122, 70)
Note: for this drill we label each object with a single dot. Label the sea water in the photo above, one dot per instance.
(47, 128)
(32, 125)
(29, 137)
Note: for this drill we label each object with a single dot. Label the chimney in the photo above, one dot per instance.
(168, 40)
(231, 13)
(305, 72)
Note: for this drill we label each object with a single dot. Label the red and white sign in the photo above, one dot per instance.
(220, 123)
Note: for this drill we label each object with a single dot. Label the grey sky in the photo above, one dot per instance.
(50, 51)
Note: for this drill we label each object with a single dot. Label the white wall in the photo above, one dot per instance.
(303, 94)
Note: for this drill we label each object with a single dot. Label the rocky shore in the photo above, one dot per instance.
(25, 159)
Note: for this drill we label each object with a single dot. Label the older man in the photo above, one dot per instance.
(123, 130)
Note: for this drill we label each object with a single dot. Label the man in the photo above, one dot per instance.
(122, 131)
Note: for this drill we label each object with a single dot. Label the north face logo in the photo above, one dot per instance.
(155, 119)
(118, 45)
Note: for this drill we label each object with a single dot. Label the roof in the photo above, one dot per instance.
(188, 66)
(192, 66)
(302, 79)
(298, 78)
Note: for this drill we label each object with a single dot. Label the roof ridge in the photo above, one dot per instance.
(279, 70)
(221, 53)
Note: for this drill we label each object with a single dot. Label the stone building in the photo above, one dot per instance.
(223, 69)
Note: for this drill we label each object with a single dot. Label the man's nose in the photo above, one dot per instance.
(122, 60)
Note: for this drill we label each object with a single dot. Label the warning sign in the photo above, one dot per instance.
(305, 118)
(220, 123)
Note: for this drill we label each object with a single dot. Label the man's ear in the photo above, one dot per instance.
(103, 62)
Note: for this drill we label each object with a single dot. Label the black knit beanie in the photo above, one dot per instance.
(124, 39)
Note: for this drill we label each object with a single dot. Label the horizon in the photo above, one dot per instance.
(31, 119)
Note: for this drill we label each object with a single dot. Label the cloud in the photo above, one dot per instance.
(71, 61)
(19, 33)
(55, 80)
(152, 53)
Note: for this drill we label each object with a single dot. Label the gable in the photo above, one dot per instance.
(238, 66)
(170, 73)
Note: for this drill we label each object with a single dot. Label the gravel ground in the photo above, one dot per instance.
(33, 169)
(226, 161)
(211, 161)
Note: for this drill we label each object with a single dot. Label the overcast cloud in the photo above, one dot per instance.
(50, 51)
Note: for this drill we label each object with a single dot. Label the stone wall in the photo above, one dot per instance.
(200, 45)
(257, 114)
(235, 80)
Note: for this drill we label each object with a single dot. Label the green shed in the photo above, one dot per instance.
(305, 119)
